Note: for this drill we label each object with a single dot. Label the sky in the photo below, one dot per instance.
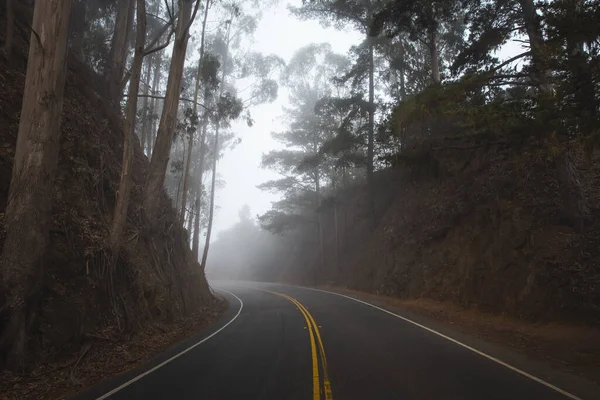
(282, 34)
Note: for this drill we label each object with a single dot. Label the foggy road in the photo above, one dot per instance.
(284, 342)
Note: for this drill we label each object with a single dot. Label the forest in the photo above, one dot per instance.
(452, 155)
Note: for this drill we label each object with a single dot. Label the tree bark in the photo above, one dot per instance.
(122, 204)
(212, 199)
(536, 44)
(166, 128)
(180, 179)
(29, 209)
(403, 75)
(194, 111)
(10, 29)
(196, 235)
(117, 58)
(157, 58)
(319, 224)
(202, 155)
(190, 221)
(371, 137)
(435, 56)
(186, 176)
(145, 104)
(78, 26)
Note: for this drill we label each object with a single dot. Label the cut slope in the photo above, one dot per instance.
(154, 278)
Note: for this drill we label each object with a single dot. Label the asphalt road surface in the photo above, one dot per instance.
(285, 342)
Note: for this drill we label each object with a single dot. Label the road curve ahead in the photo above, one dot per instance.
(285, 342)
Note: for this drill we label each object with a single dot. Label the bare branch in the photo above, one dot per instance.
(153, 96)
(162, 46)
(159, 34)
(510, 60)
(191, 21)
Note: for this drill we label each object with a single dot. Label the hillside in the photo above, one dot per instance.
(85, 298)
(475, 224)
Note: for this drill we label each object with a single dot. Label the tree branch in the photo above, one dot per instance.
(159, 35)
(153, 96)
(191, 21)
(510, 60)
(162, 46)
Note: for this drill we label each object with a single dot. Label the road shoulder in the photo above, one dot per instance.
(113, 359)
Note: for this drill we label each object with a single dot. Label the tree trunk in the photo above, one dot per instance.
(78, 26)
(212, 199)
(320, 225)
(122, 204)
(179, 180)
(196, 241)
(435, 56)
(117, 58)
(536, 44)
(10, 29)
(154, 103)
(190, 222)
(211, 210)
(570, 190)
(196, 236)
(186, 176)
(582, 80)
(145, 104)
(194, 111)
(166, 128)
(403, 78)
(371, 137)
(29, 210)
(337, 239)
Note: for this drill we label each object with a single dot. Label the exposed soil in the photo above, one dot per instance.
(570, 348)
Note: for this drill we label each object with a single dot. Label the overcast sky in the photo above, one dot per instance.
(282, 34)
(279, 33)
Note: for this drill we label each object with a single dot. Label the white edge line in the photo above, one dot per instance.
(140, 376)
(515, 369)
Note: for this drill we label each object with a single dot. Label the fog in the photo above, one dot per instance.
(280, 177)
(280, 33)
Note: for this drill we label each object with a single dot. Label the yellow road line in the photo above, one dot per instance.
(312, 325)
(326, 382)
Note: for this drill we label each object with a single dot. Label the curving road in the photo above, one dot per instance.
(285, 342)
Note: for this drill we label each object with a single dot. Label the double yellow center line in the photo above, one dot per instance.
(313, 330)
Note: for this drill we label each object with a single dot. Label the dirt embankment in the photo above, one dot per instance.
(85, 301)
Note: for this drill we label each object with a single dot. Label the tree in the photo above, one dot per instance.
(194, 112)
(29, 209)
(359, 14)
(119, 49)
(10, 28)
(166, 128)
(303, 164)
(122, 203)
(227, 105)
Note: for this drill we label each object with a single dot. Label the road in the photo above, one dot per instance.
(285, 342)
